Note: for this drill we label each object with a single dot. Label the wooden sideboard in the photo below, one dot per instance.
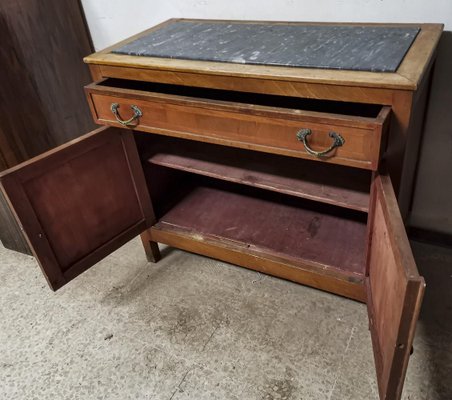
(284, 170)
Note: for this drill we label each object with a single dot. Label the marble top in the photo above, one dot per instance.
(348, 47)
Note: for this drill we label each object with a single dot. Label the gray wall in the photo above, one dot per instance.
(432, 206)
(111, 21)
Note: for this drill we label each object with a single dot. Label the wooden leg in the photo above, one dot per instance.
(151, 248)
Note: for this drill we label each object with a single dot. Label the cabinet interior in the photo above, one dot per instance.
(245, 98)
(337, 185)
(300, 211)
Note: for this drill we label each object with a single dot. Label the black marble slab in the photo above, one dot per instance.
(359, 48)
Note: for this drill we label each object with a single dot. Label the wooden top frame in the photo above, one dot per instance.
(408, 75)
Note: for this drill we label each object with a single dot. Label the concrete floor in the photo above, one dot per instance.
(193, 328)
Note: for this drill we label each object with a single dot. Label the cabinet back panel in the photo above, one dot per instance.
(338, 185)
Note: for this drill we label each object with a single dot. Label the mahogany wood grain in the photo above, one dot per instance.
(79, 202)
(263, 128)
(343, 186)
(40, 107)
(394, 291)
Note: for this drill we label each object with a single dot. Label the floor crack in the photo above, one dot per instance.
(179, 385)
(342, 361)
(210, 337)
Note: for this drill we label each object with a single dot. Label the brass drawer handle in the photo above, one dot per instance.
(137, 113)
(303, 134)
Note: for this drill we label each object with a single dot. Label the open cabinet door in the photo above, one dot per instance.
(394, 291)
(79, 202)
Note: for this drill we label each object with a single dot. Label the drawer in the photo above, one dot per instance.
(327, 131)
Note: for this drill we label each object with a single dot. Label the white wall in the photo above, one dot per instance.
(113, 20)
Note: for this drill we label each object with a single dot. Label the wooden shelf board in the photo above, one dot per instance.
(274, 226)
(341, 186)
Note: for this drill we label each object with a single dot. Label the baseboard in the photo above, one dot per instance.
(430, 236)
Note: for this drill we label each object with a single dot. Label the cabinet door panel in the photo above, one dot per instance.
(79, 202)
(394, 290)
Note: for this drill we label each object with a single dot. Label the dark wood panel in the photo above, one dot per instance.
(10, 234)
(347, 187)
(318, 235)
(80, 201)
(25, 129)
(394, 291)
(42, 103)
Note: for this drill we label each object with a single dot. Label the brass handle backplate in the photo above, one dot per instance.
(137, 113)
(302, 136)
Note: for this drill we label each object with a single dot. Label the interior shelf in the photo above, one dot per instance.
(342, 186)
(272, 224)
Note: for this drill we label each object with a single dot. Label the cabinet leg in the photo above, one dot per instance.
(151, 248)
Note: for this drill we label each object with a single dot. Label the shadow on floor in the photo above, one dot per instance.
(435, 322)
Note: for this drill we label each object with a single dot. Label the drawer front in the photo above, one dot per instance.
(268, 129)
